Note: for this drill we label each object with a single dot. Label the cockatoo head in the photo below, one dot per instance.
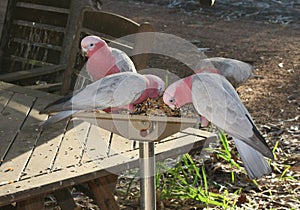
(91, 44)
(178, 93)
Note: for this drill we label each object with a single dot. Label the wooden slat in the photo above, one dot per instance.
(11, 122)
(46, 146)
(105, 20)
(39, 25)
(27, 60)
(25, 91)
(4, 98)
(119, 145)
(127, 48)
(46, 87)
(54, 3)
(96, 146)
(43, 7)
(72, 146)
(37, 44)
(19, 75)
(197, 132)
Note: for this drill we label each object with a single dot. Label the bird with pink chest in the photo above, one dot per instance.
(214, 98)
(104, 60)
(113, 92)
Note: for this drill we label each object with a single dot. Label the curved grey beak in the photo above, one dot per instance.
(84, 53)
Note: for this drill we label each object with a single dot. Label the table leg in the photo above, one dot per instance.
(147, 175)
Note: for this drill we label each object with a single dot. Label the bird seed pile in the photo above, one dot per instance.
(157, 107)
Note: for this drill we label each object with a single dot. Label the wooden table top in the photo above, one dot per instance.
(34, 161)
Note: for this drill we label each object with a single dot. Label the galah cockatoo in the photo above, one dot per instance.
(235, 71)
(215, 98)
(113, 91)
(102, 61)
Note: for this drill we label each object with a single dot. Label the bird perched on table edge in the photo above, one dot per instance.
(118, 91)
(215, 98)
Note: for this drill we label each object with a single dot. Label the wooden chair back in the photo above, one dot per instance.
(32, 43)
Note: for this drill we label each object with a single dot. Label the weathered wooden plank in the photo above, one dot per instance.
(43, 7)
(46, 144)
(72, 145)
(27, 60)
(119, 145)
(4, 98)
(28, 92)
(96, 146)
(46, 87)
(36, 43)
(21, 149)
(198, 132)
(12, 118)
(11, 122)
(185, 142)
(25, 74)
(39, 25)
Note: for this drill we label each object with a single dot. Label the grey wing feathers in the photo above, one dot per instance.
(83, 79)
(111, 91)
(124, 63)
(215, 99)
(254, 162)
(237, 72)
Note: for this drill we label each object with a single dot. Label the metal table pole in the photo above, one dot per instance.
(147, 175)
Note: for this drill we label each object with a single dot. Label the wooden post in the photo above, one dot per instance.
(64, 199)
(102, 190)
(75, 10)
(32, 203)
(3, 9)
(6, 7)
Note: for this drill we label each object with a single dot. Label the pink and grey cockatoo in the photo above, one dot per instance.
(235, 71)
(215, 98)
(113, 91)
(104, 60)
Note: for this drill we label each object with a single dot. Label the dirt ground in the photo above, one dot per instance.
(265, 34)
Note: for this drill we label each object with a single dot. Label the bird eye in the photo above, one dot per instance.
(160, 90)
(92, 44)
(172, 100)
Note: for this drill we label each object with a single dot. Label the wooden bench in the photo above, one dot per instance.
(35, 163)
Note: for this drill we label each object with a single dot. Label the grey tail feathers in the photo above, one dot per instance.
(266, 151)
(57, 118)
(254, 162)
